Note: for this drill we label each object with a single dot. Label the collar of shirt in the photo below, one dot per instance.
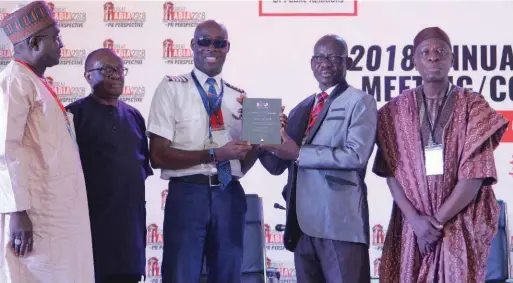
(328, 91)
(202, 78)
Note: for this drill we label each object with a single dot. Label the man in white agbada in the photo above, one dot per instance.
(45, 232)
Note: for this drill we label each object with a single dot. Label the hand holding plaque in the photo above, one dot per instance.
(261, 120)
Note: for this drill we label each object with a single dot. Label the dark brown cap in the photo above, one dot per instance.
(428, 33)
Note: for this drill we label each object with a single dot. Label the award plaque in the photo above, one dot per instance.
(261, 121)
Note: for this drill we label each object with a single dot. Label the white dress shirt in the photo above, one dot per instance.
(328, 91)
(177, 113)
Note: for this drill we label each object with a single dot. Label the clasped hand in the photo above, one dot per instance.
(287, 150)
(428, 231)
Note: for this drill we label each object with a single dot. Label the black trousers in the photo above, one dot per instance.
(122, 278)
(328, 261)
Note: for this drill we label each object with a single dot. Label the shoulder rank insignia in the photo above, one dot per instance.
(234, 87)
(181, 79)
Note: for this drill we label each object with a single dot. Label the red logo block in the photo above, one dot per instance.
(508, 135)
(279, 8)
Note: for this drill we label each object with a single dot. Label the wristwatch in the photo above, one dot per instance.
(297, 160)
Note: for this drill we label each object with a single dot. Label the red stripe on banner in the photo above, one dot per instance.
(262, 13)
(508, 135)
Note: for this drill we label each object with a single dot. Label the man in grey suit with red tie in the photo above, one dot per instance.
(326, 146)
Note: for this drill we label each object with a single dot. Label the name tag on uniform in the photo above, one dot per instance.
(434, 160)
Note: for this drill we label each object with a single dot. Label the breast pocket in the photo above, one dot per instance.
(188, 129)
(187, 120)
(337, 114)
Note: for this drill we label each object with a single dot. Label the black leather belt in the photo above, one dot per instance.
(201, 179)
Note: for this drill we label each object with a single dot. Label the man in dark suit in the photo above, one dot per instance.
(326, 146)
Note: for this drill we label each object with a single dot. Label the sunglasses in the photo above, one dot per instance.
(207, 42)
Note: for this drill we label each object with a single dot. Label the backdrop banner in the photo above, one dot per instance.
(271, 46)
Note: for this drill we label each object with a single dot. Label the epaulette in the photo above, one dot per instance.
(234, 87)
(181, 79)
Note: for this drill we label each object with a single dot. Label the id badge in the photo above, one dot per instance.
(434, 160)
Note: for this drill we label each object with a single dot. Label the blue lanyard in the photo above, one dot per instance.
(211, 109)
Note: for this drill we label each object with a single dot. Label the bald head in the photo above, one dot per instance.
(336, 41)
(210, 46)
(330, 61)
(95, 56)
(210, 25)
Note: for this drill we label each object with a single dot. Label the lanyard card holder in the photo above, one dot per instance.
(434, 159)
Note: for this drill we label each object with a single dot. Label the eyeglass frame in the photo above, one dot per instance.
(104, 69)
(317, 58)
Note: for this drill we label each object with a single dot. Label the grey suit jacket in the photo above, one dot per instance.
(331, 194)
(326, 193)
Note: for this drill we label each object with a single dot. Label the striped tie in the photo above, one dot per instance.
(224, 170)
(321, 97)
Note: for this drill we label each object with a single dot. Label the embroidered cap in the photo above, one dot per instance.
(28, 21)
(430, 32)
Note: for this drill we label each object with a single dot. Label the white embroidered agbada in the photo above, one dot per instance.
(40, 172)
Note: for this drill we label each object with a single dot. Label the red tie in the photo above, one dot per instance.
(321, 97)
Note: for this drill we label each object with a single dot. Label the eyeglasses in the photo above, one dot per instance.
(334, 59)
(206, 42)
(109, 71)
(425, 52)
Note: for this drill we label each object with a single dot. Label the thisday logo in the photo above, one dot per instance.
(65, 92)
(3, 13)
(332, 8)
(273, 239)
(121, 17)
(153, 270)
(178, 16)
(287, 270)
(66, 18)
(508, 135)
(378, 237)
(176, 53)
(377, 262)
(129, 56)
(154, 237)
(72, 56)
(6, 53)
(133, 94)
